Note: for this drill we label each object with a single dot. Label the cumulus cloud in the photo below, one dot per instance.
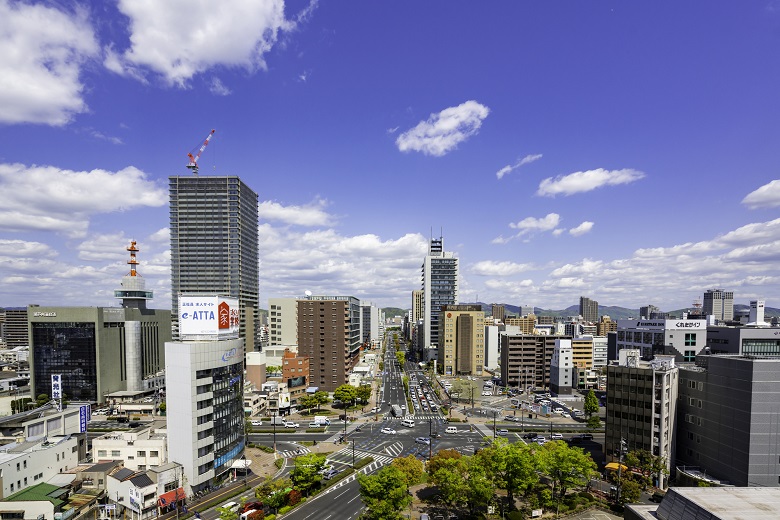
(45, 51)
(521, 162)
(505, 268)
(583, 228)
(24, 248)
(218, 88)
(312, 214)
(529, 224)
(239, 34)
(443, 131)
(580, 182)
(767, 196)
(46, 198)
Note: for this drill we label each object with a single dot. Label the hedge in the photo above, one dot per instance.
(362, 463)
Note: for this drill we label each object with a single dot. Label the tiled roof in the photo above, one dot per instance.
(122, 474)
(142, 480)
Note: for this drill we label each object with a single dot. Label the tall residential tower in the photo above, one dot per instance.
(440, 287)
(214, 244)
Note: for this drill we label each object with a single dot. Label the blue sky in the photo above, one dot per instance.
(622, 151)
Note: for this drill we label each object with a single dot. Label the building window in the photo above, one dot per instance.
(141, 454)
(690, 355)
(690, 339)
(153, 454)
(101, 453)
(114, 453)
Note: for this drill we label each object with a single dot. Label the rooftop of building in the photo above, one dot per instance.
(14, 449)
(39, 492)
(722, 503)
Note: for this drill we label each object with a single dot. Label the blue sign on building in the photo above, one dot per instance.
(85, 414)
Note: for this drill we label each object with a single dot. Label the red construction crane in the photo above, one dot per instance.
(193, 164)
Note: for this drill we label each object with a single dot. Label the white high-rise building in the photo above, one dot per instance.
(283, 322)
(204, 379)
(440, 287)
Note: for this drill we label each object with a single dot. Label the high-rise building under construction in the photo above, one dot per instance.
(213, 222)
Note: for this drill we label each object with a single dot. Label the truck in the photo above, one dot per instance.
(396, 410)
(277, 420)
(322, 421)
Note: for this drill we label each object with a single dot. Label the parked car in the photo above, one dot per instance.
(389, 431)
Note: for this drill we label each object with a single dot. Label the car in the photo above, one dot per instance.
(556, 437)
(325, 469)
(503, 432)
(540, 439)
(389, 431)
(530, 435)
(403, 407)
(330, 474)
(581, 437)
(422, 440)
(290, 424)
(565, 415)
(451, 429)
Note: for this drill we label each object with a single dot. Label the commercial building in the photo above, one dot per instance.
(589, 309)
(715, 503)
(35, 460)
(729, 409)
(526, 359)
(651, 312)
(99, 350)
(462, 339)
(282, 322)
(329, 335)
(720, 304)
(417, 305)
(439, 286)
(204, 377)
(295, 374)
(683, 338)
(369, 325)
(139, 449)
(605, 325)
(214, 244)
(562, 368)
(749, 340)
(642, 408)
(526, 310)
(526, 323)
(498, 311)
(15, 332)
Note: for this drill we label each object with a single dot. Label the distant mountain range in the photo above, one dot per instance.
(614, 312)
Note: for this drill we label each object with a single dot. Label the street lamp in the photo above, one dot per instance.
(430, 438)
(353, 453)
(623, 448)
(274, 425)
(494, 424)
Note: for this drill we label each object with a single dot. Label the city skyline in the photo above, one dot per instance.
(622, 152)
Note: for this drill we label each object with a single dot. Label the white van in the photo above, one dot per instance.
(451, 429)
(231, 506)
(408, 423)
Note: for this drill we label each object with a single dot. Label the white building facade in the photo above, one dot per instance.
(684, 337)
(139, 449)
(205, 413)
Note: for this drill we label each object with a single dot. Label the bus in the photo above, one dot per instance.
(396, 410)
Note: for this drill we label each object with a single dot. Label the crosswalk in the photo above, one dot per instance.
(294, 453)
(395, 449)
(345, 457)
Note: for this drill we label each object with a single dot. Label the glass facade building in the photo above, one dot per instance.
(214, 244)
(68, 349)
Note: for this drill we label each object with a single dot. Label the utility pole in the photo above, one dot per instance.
(274, 421)
(353, 453)
(494, 424)
(430, 438)
(622, 449)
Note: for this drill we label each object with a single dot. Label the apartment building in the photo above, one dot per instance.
(462, 339)
(526, 359)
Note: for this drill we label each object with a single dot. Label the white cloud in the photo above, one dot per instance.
(46, 198)
(218, 88)
(580, 182)
(767, 196)
(393, 130)
(492, 268)
(583, 228)
(558, 232)
(528, 224)
(443, 131)
(521, 162)
(178, 39)
(313, 214)
(44, 51)
(104, 247)
(24, 248)
(104, 137)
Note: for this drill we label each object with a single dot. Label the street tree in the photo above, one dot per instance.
(400, 357)
(411, 467)
(479, 484)
(566, 466)
(647, 465)
(345, 394)
(630, 491)
(513, 466)
(305, 473)
(591, 406)
(364, 393)
(384, 493)
(273, 492)
(225, 513)
(464, 388)
(322, 398)
(450, 479)
(594, 423)
(308, 402)
(439, 459)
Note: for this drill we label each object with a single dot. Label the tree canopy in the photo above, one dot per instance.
(591, 405)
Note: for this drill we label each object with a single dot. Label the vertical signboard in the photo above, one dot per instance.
(56, 386)
(85, 413)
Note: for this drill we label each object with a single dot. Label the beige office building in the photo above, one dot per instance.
(462, 339)
(283, 322)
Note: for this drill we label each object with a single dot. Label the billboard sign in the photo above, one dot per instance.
(56, 386)
(85, 413)
(208, 317)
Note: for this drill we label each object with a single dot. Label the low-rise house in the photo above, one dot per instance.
(139, 449)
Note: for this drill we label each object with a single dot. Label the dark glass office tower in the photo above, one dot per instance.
(214, 245)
